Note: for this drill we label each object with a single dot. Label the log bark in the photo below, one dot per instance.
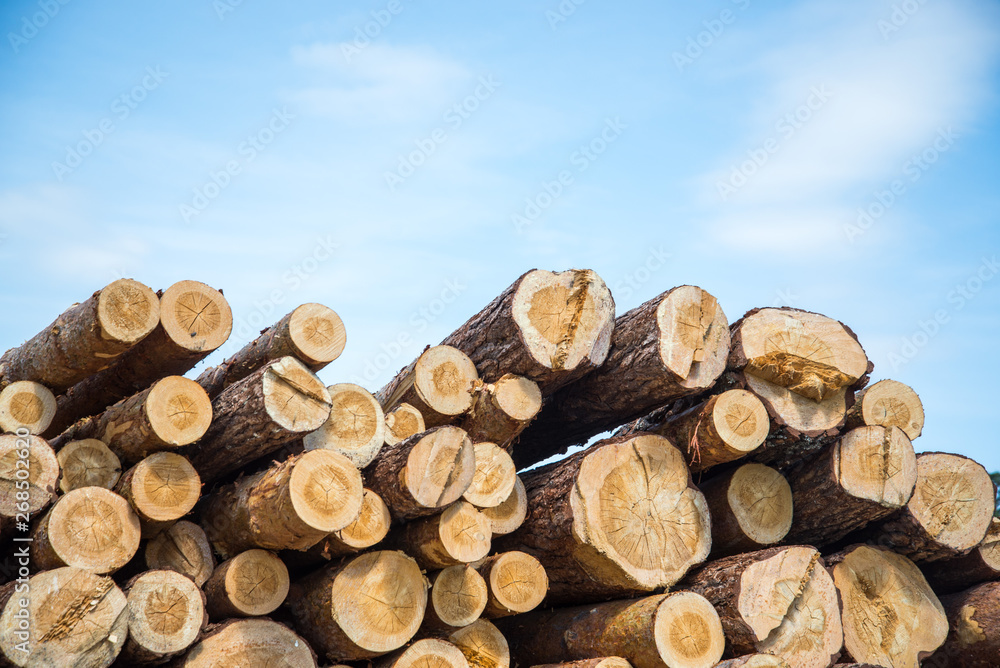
(510, 514)
(439, 384)
(423, 474)
(502, 410)
(25, 404)
(750, 507)
(779, 601)
(256, 416)
(161, 489)
(517, 583)
(726, 427)
(29, 471)
(75, 618)
(248, 642)
(88, 463)
(604, 662)
(482, 644)
(90, 528)
(459, 535)
(755, 661)
(459, 595)
(982, 564)
(891, 617)
(887, 403)
(85, 338)
(251, 584)
(362, 607)
(293, 505)
(166, 613)
(172, 413)
(402, 422)
(312, 333)
(183, 548)
(553, 328)
(493, 480)
(355, 428)
(865, 476)
(974, 639)
(427, 652)
(672, 346)
(679, 630)
(615, 520)
(194, 320)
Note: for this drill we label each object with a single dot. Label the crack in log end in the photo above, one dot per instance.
(352, 417)
(75, 605)
(166, 610)
(126, 310)
(197, 313)
(800, 626)
(805, 376)
(294, 397)
(562, 331)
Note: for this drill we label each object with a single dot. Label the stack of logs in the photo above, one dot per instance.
(757, 504)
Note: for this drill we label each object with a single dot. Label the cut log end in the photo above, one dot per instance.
(251, 584)
(464, 533)
(889, 403)
(518, 397)
(317, 333)
(517, 583)
(604, 662)
(458, 596)
(182, 548)
(25, 404)
(694, 336)
(41, 468)
(426, 653)
(756, 661)
(325, 489)
(166, 612)
(163, 487)
(687, 631)
(127, 311)
(482, 644)
(440, 467)
(502, 410)
(740, 420)
(294, 397)
(796, 411)
(367, 530)
(509, 515)
(402, 422)
(761, 501)
(88, 463)
(355, 428)
(179, 410)
(494, 476)
(195, 316)
(250, 642)
(443, 380)
(953, 500)
(877, 464)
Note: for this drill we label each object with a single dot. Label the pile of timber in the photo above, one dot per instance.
(756, 503)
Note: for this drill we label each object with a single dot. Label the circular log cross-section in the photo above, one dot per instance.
(751, 508)
(355, 428)
(493, 480)
(161, 488)
(195, 316)
(459, 535)
(439, 384)
(517, 583)
(891, 617)
(88, 463)
(183, 548)
(482, 644)
(26, 404)
(888, 403)
(458, 597)
(510, 514)
(166, 612)
(367, 531)
(502, 410)
(423, 653)
(30, 460)
(402, 422)
(74, 618)
(251, 584)
(249, 642)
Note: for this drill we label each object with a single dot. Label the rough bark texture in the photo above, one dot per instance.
(982, 564)
(974, 639)
(502, 410)
(439, 384)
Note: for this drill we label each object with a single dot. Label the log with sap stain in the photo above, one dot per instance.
(751, 508)
(974, 619)
(439, 384)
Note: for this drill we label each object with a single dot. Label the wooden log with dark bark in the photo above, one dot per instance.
(516, 582)
(183, 548)
(974, 638)
(890, 614)
(248, 642)
(402, 422)
(887, 403)
(510, 514)
(679, 630)
(423, 474)
(754, 661)
(779, 601)
(166, 614)
(361, 607)
(603, 662)
(161, 489)
(553, 328)
(865, 476)
(458, 596)
(982, 564)
(482, 644)
(502, 410)
(25, 404)
(439, 384)
(367, 531)
(494, 478)
(459, 535)
(251, 584)
(254, 417)
(88, 463)
(86, 338)
(672, 346)
(750, 507)
(615, 520)
(355, 428)
(29, 471)
(312, 333)
(427, 652)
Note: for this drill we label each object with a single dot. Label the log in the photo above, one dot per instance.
(161, 489)
(553, 328)
(402, 422)
(459, 535)
(90, 528)
(251, 584)
(88, 463)
(603, 662)
(891, 617)
(25, 404)
(482, 644)
(256, 416)
(865, 476)
(779, 601)
(517, 583)
(367, 531)
(510, 514)
(166, 613)
(427, 652)
(679, 630)
(312, 333)
(974, 639)
(85, 338)
(74, 618)
(439, 384)
(948, 514)
(618, 519)
(249, 642)
(355, 428)
(171, 413)
(362, 607)
(183, 548)
(982, 564)
(750, 507)
(724, 428)
(194, 320)
(458, 597)
(887, 403)
(755, 661)
(493, 480)
(672, 346)
(28, 474)
(292, 505)
(502, 410)
(423, 474)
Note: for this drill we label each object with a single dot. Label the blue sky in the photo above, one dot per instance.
(403, 162)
